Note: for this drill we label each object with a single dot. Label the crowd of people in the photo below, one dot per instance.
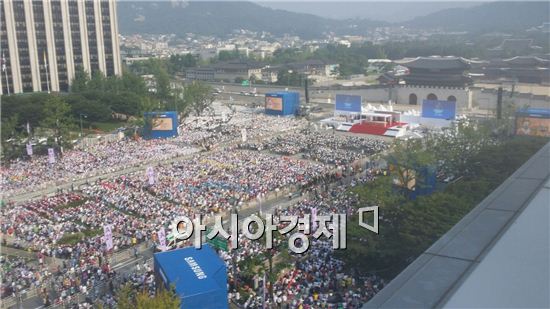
(69, 226)
(315, 279)
(208, 131)
(17, 274)
(321, 146)
(103, 156)
(37, 172)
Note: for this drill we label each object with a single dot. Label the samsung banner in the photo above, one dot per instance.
(439, 109)
(348, 103)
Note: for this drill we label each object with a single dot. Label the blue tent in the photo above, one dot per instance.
(198, 275)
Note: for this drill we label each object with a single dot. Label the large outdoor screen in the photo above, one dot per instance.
(348, 103)
(162, 124)
(274, 103)
(533, 126)
(439, 109)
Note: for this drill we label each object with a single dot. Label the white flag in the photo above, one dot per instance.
(108, 236)
(243, 135)
(314, 218)
(162, 239)
(151, 175)
(3, 62)
(29, 149)
(51, 155)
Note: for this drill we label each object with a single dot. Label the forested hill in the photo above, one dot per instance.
(502, 16)
(216, 18)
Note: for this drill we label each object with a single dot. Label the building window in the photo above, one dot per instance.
(432, 97)
(413, 99)
(451, 98)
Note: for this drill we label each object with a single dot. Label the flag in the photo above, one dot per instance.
(29, 149)
(151, 175)
(314, 218)
(108, 237)
(28, 128)
(264, 291)
(3, 62)
(51, 155)
(243, 135)
(162, 239)
(45, 62)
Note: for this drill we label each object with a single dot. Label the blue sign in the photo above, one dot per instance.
(199, 276)
(160, 125)
(348, 103)
(534, 112)
(439, 109)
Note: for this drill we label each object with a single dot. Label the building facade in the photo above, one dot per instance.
(434, 78)
(43, 42)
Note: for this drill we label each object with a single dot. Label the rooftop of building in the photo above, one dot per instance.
(238, 65)
(436, 63)
(514, 44)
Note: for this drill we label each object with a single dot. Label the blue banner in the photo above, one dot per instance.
(160, 124)
(348, 103)
(439, 109)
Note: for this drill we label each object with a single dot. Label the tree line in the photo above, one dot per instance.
(93, 100)
(479, 162)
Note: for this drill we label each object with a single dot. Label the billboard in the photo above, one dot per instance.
(348, 103)
(533, 122)
(439, 109)
(274, 103)
(160, 124)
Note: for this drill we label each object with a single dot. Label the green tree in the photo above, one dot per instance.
(8, 127)
(198, 97)
(80, 80)
(178, 63)
(94, 104)
(125, 297)
(128, 298)
(457, 145)
(407, 157)
(57, 117)
(226, 55)
(133, 83)
(163, 299)
(97, 82)
(163, 83)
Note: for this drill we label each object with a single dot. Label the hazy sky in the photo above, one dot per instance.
(393, 11)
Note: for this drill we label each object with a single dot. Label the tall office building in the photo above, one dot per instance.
(43, 42)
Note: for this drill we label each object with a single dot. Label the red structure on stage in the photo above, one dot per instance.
(374, 128)
(376, 123)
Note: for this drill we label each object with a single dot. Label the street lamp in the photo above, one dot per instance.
(288, 77)
(85, 116)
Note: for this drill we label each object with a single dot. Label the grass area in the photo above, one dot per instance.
(73, 238)
(72, 204)
(107, 126)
